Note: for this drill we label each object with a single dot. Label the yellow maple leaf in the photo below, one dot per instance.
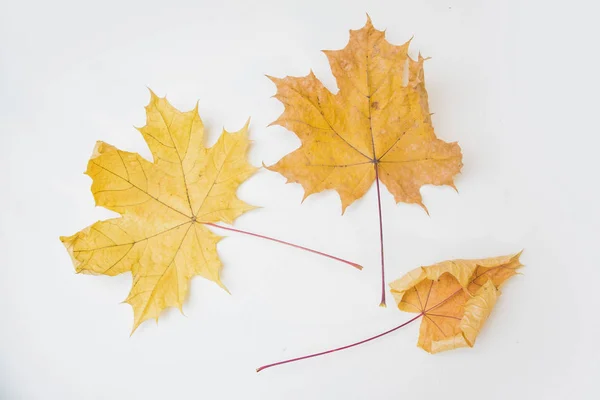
(455, 298)
(161, 237)
(376, 127)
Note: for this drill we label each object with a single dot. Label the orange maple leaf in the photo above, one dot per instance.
(377, 127)
(454, 298)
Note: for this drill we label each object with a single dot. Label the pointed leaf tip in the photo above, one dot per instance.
(273, 79)
(153, 96)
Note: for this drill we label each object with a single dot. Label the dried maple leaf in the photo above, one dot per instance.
(377, 127)
(161, 235)
(455, 298)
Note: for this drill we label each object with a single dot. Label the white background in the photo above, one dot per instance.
(514, 82)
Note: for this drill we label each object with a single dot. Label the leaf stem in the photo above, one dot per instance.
(340, 348)
(382, 304)
(355, 265)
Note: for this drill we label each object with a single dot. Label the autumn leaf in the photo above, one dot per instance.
(161, 237)
(453, 298)
(376, 127)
